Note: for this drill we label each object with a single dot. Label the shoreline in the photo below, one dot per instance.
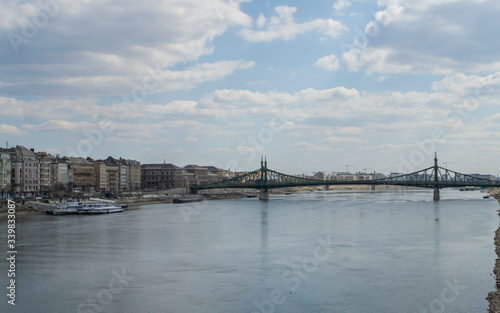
(494, 296)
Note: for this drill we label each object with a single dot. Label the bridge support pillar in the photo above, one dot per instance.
(436, 194)
(264, 195)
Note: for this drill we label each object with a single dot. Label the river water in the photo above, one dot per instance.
(331, 251)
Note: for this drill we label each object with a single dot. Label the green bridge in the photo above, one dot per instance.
(435, 177)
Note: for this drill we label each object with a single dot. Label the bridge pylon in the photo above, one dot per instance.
(436, 196)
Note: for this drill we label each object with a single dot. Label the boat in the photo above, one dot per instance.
(186, 200)
(486, 197)
(99, 206)
(65, 209)
(251, 195)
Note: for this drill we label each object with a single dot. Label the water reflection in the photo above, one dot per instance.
(264, 229)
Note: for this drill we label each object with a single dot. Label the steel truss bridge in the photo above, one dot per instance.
(435, 177)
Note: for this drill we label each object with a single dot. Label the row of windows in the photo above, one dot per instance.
(157, 173)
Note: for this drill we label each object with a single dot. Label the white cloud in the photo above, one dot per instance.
(307, 146)
(462, 84)
(80, 52)
(329, 63)
(427, 37)
(11, 130)
(219, 150)
(342, 140)
(340, 5)
(261, 21)
(284, 27)
(56, 125)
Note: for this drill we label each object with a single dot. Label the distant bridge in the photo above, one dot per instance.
(435, 177)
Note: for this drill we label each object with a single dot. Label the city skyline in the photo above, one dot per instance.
(379, 85)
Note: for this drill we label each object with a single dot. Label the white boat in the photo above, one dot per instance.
(64, 209)
(67, 208)
(99, 206)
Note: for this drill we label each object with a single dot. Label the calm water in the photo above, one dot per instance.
(354, 252)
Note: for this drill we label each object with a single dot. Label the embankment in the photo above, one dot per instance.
(494, 296)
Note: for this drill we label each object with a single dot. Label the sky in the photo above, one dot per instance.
(333, 85)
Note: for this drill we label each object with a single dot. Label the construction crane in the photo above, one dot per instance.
(347, 167)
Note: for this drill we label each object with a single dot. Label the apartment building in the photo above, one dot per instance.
(5, 175)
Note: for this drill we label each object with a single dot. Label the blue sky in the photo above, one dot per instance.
(314, 86)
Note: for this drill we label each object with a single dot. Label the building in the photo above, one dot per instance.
(215, 174)
(112, 175)
(123, 179)
(101, 175)
(161, 176)
(5, 175)
(196, 174)
(364, 176)
(134, 175)
(202, 174)
(319, 176)
(45, 161)
(81, 174)
(25, 178)
(60, 172)
(345, 176)
(484, 176)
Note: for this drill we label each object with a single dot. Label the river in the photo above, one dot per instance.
(323, 251)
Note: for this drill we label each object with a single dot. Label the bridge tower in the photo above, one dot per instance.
(436, 178)
(264, 192)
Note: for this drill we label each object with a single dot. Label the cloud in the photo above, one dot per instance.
(220, 150)
(284, 27)
(340, 5)
(56, 125)
(341, 140)
(307, 146)
(469, 84)
(11, 130)
(329, 63)
(81, 52)
(427, 37)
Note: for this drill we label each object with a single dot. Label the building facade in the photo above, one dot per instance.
(25, 169)
(134, 175)
(123, 177)
(112, 175)
(5, 175)
(161, 176)
(81, 174)
(60, 172)
(45, 161)
(101, 175)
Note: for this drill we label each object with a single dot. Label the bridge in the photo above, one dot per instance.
(435, 177)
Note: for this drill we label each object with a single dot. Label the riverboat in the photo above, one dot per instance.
(99, 206)
(186, 200)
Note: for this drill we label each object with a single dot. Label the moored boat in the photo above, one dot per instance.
(186, 200)
(99, 206)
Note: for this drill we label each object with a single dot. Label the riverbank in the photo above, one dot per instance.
(494, 296)
(23, 207)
